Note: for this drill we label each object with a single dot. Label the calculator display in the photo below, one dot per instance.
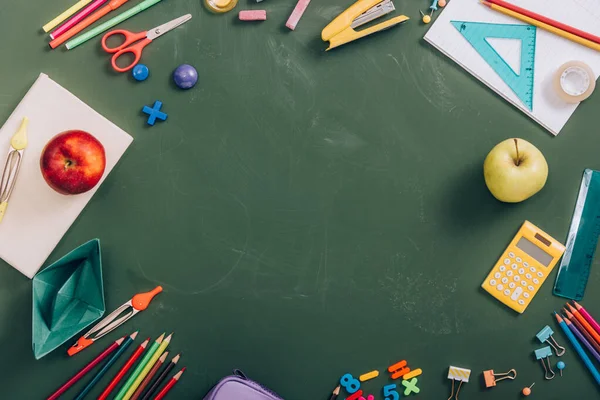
(534, 251)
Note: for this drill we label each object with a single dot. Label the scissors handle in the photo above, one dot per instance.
(130, 38)
(136, 50)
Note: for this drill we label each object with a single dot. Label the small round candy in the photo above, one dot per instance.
(185, 76)
(426, 19)
(442, 3)
(140, 72)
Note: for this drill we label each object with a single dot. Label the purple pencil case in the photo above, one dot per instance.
(239, 387)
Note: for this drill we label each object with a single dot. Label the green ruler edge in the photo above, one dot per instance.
(582, 240)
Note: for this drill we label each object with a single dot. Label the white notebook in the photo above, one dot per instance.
(37, 217)
(551, 51)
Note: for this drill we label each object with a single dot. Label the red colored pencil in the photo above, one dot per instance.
(138, 392)
(136, 354)
(86, 369)
(587, 317)
(546, 20)
(585, 324)
(169, 385)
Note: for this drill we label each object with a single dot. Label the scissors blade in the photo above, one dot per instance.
(164, 28)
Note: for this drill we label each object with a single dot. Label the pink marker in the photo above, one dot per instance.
(253, 15)
(77, 18)
(297, 14)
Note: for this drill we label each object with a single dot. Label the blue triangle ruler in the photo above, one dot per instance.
(582, 240)
(477, 34)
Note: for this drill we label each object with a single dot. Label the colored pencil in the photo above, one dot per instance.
(161, 378)
(169, 385)
(584, 357)
(124, 346)
(65, 14)
(138, 392)
(583, 331)
(139, 367)
(86, 369)
(582, 339)
(335, 393)
(546, 20)
(101, 12)
(541, 25)
(84, 37)
(585, 324)
(138, 380)
(136, 354)
(90, 8)
(587, 317)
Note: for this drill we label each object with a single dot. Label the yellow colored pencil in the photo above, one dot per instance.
(147, 368)
(546, 27)
(66, 14)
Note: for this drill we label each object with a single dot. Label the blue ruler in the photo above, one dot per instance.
(576, 263)
(477, 34)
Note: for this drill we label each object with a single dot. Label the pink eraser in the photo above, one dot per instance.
(297, 14)
(253, 15)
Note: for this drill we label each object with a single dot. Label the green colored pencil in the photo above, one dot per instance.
(147, 368)
(140, 367)
(71, 44)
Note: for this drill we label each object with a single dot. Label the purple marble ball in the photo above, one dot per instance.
(185, 76)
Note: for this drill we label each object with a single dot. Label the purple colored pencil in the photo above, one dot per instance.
(583, 340)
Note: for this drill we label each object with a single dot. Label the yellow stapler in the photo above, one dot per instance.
(341, 30)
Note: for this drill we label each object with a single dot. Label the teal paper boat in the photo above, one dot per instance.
(67, 297)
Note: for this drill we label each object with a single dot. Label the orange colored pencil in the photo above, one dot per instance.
(169, 385)
(136, 354)
(585, 324)
(101, 12)
(583, 331)
(546, 20)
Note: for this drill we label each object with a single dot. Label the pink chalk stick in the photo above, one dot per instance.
(253, 15)
(297, 14)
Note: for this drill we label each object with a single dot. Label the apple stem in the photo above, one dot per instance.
(517, 147)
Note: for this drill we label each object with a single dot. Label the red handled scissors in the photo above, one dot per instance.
(146, 38)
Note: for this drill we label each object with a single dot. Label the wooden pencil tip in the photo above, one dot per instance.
(558, 318)
(119, 341)
(577, 305)
(176, 358)
(168, 339)
(164, 356)
(160, 338)
(571, 308)
(145, 343)
(134, 335)
(178, 375)
(336, 391)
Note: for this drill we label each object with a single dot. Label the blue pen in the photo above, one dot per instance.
(578, 348)
(106, 366)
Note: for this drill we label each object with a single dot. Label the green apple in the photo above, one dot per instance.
(515, 170)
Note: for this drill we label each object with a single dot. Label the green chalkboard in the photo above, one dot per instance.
(307, 213)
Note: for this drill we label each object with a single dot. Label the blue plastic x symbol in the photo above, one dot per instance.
(154, 112)
(411, 386)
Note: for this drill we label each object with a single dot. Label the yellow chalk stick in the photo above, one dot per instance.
(412, 374)
(368, 375)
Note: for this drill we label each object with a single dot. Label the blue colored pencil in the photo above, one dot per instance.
(106, 366)
(578, 348)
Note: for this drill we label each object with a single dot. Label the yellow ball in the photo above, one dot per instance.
(426, 19)
(526, 392)
(442, 3)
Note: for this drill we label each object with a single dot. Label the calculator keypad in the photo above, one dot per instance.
(515, 279)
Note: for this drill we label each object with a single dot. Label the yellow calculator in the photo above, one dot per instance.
(523, 268)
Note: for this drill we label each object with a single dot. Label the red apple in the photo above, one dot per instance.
(73, 162)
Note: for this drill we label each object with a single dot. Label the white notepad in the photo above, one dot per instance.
(551, 51)
(37, 217)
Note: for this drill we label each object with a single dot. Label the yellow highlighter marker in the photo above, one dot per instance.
(18, 143)
(66, 14)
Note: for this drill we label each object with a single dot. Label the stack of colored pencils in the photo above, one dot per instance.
(143, 383)
(583, 332)
(550, 25)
